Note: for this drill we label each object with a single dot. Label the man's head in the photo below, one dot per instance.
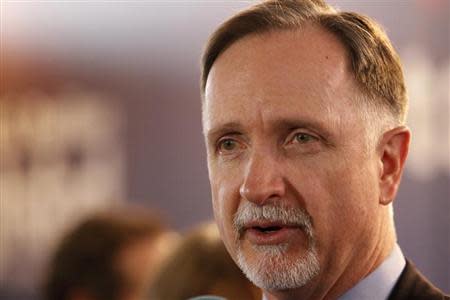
(111, 255)
(303, 112)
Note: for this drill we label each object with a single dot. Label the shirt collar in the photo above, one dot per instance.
(379, 284)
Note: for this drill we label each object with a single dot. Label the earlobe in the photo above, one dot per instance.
(393, 150)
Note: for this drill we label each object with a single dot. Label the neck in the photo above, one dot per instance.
(339, 276)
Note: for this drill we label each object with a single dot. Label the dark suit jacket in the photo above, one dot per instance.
(414, 286)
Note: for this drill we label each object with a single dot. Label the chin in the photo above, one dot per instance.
(273, 268)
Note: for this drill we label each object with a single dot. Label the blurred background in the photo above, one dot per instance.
(100, 105)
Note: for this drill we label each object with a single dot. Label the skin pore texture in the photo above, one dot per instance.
(301, 181)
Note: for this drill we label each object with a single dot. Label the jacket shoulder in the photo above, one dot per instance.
(412, 285)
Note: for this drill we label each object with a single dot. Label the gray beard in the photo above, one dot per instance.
(271, 268)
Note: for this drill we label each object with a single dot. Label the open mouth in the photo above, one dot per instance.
(268, 229)
(270, 233)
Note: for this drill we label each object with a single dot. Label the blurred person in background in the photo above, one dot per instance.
(304, 112)
(111, 255)
(201, 265)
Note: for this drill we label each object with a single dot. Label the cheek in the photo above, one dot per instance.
(225, 201)
(338, 193)
(350, 200)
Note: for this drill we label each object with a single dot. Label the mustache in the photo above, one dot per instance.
(249, 211)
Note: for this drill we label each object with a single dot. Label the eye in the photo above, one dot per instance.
(228, 146)
(303, 142)
(303, 138)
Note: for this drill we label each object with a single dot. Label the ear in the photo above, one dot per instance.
(393, 149)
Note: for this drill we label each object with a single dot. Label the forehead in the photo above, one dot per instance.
(280, 70)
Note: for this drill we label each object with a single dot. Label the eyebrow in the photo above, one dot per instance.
(227, 128)
(292, 123)
(282, 124)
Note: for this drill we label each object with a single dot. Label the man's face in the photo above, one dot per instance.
(294, 179)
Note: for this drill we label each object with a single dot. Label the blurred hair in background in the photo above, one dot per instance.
(99, 101)
(201, 265)
(112, 255)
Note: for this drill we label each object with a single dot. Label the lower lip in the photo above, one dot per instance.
(281, 236)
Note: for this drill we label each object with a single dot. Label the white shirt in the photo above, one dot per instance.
(379, 284)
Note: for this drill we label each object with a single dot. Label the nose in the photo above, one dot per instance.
(263, 180)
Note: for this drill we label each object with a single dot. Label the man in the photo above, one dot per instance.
(303, 114)
(109, 256)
